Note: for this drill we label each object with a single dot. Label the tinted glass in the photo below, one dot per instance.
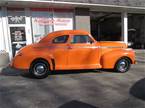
(81, 39)
(60, 39)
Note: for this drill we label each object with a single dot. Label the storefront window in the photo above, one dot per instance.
(42, 23)
(63, 20)
(16, 16)
(45, 21)
(17, 24)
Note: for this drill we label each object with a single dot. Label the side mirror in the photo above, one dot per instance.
(91, 42)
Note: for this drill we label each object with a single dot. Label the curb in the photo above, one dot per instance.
(140, 51)
(140, 60)
(1, 68)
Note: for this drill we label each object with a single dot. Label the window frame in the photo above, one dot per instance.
(91, 40)
(67, 38)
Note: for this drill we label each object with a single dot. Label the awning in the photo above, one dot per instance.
(71, 4)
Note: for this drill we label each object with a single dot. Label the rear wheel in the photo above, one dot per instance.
(39, 69)
(123, 65)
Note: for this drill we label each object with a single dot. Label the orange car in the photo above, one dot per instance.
(72, 49)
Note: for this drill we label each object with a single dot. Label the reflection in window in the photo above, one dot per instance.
(81, 39)
(63, 20)
(48, 20)
(41, 23)
(60, 39)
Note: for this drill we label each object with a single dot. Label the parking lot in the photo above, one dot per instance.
(74, 89)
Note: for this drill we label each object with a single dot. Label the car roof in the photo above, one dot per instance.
(64, 32)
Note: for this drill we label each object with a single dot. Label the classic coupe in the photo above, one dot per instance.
(72, 50)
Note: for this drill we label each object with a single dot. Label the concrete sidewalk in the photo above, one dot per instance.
(1, 67)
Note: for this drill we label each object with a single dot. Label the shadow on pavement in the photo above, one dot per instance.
(138, 89)
(65, 72)
(8, 71)
(76, 104)
(73, 72)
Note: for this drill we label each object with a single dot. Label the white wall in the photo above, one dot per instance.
(4, 56)
(125, 26)
(2, 43)
(28, 26)
(83, 23)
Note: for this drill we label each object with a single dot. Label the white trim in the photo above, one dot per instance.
(2, 41)
(28, 27)
(6, 32)
(80, 4)
(18, 25)
(124, 22)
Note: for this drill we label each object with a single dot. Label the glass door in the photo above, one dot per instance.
(18, 38)
(17, 25)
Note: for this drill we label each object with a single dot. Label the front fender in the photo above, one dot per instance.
(109, 59)
(47, 58)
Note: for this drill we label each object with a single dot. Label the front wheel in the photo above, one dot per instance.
(39, 69)
(123, 65)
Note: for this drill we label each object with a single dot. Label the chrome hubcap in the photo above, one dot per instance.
(39, 69)
(123, 66)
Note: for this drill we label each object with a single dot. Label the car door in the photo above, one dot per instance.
(59, 49)
(83, 53)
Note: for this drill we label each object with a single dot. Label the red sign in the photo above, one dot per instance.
(50, 21)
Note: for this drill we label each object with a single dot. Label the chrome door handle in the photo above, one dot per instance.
(69, 47)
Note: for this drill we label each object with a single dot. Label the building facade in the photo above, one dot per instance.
(23, 22)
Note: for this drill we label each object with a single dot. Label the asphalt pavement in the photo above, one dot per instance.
(74, 89)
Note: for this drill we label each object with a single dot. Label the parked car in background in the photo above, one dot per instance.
(71, 50)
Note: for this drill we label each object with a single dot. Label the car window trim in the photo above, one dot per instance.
(60, 42)
(92, 41)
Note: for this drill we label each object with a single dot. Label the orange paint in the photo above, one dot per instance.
(65, 56)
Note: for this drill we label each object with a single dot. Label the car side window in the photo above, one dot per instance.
(60, 39)
(81, 39)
